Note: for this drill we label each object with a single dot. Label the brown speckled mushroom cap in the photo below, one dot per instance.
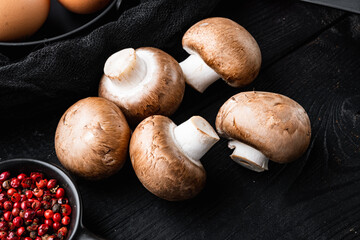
(228, 48)
(272, 123)
(160, 93)
(160, 165)
(92, 138)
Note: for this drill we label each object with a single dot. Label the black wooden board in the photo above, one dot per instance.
(311, 54)
(347, 5)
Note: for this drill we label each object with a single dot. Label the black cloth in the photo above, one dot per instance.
(65, 70)
(310, 53)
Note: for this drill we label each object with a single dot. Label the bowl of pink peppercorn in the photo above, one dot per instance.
(39, 201)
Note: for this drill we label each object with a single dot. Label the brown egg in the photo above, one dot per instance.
(84, 6)
(22, 18)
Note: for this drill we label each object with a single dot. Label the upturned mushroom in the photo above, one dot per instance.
(166, 157)
(92, 138)
(143, 82)
(220, 48)
(263, 126)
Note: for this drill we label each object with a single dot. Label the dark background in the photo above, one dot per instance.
(310, 53)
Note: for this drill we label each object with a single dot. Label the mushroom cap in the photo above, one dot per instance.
(160, 165)
(160, 93)
(225, 46)
(272, 123)
(92, 138)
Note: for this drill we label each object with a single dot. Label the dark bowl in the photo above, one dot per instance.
(76, 228)
(62, 24)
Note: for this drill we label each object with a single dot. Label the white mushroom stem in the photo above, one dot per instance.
(125, 68)
(248, 156)
(195, 137)
(197, 73)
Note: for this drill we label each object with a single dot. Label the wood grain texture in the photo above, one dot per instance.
(311, 54)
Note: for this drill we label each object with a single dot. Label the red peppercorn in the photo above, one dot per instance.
(60, 192)
(51, 183)
(36, 204)
(17, 205)
(57, 217)
(7, 205)
(3, 197)
(38, 238)
(56, 225)
(15, 212)
(8, 216)
(21, 176)
(6, 185)
(15, 197)
(38, 192)
(28, 238)
(29, 194)
(20, 231)
(27, 182)
(4, 176)
(47, 197)
(18, 222)
(11, 191)
(65, 209)
(45, 205)
(15, 182)
(56, 208)
(65, 220)
(25, 205)
(4, 226)
(21, 213)
(3, 235)
(40, 212)
(29, 214)
(48, 222)
(53, 201)
(62, 232)
(43, 229)
(49, 214)
(23, 197)
(42, 183)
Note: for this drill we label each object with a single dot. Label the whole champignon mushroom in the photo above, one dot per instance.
(92, 138)
(166, 157)
(143, 82)
(263, 126)
(220, 48)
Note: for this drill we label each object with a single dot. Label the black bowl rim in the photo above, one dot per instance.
(68, 180)
(62, 36)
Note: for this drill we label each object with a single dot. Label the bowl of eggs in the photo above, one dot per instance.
(26, 23)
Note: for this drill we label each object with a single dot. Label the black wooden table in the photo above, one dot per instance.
(311, 54)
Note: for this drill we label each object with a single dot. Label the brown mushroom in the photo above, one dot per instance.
(166, 157)
(220, 48)
(263, 126)
(92, 138)
(143, 82)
